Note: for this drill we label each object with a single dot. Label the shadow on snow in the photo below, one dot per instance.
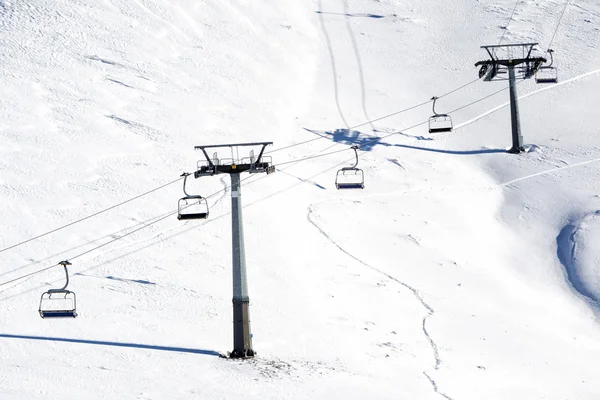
(115, 344)
(114, 278)
(368, 142)
(361, 15)
(565, 250)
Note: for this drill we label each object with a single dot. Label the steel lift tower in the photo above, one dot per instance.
(502, 62)
(242, 337)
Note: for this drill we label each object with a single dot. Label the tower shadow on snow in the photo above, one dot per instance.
(368, 142)
(115, 344)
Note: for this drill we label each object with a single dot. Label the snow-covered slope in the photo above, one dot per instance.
(459, 272)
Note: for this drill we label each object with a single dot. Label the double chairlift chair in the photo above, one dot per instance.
(547, 73)
(439, 122)
(350, 177)
(59, 303)
(191, 206)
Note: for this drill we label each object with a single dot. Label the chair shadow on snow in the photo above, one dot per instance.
(114, 278)
(356, 15)
(368, 142)
(115, 344)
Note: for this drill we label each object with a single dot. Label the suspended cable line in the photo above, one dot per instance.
(482, 99)
(294, 145)
(104, 244)
(154, 220)
(28, 275)
(456, 109)
(390, 115)
(420, 123)
(378, 119)
(416, 106)
(88, 251)
(558, 24)
(316, 155)
(114, 234)
(508, 23)
(458, 88)
(89, 216)
(311, 157)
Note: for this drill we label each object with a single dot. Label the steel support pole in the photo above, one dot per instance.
(242, 338)
(517, 137)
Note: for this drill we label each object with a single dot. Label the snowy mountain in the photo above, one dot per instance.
(460, 271)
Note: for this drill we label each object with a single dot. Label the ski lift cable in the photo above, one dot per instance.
(450, 112)
(482, 99)
(99, 246)
(558, 24)
(313, 156)
(424, 122)
(89, 216)
(294, 145)
(156, 220)
(88, 251)
(144, 224)
(508, 23)
(316, 155)
(391, 115)
(28, 275)
(55, 255)
(380, 118)
(417, 105)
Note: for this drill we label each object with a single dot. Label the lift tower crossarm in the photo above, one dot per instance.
(513, 61)
(211, 168)
(506, 62)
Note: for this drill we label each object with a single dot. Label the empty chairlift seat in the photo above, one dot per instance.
(547, 73)
(439, 122)
(59, 303)
(350, 177)
(191, 206)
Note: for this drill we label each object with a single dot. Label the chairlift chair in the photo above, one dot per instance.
(59, 303)
(350, 177)
(191, 206)
(439, 122)
(548, 73)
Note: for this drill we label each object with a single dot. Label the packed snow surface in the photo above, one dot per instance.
(459, 272)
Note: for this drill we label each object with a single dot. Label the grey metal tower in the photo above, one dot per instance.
(242, 336)
(496, 69)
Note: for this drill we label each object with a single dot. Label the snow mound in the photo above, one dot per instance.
(578, 252)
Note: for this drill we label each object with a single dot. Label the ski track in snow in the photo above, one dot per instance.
(435, 387)
(333, 65)
(415, 292)
(175, 39)
(359, 65)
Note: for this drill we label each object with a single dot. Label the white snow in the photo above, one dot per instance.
(459, 272)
